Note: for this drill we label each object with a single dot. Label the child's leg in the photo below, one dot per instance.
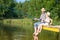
(40, 28)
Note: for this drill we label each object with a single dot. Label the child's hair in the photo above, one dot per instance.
(48, 13)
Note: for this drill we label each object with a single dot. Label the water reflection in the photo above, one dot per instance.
(35, 37)
(17, 33)
(14, 33)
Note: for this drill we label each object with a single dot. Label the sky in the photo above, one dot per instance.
(20, 0)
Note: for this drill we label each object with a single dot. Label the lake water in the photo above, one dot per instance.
(21, 33)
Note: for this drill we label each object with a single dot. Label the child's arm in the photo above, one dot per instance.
(51, 21)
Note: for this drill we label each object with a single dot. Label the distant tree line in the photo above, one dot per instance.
(29, 9)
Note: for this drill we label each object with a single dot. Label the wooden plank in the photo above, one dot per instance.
(54, 29)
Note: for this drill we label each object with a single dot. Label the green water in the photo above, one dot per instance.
(23, 34)
(15, 33)
(8, 32)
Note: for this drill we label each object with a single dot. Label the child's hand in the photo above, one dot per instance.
(51, 21)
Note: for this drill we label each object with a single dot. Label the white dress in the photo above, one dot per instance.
(47, 20)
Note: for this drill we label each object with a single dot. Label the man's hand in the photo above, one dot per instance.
(35, 18)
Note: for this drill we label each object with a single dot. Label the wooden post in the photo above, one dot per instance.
(58, 35)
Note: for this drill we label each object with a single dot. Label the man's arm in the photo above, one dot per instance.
(36, 19)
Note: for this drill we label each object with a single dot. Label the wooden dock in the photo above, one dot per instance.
(52, 28)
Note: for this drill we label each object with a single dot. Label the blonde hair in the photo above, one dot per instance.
(48, 13)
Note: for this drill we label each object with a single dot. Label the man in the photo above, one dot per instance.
(45, 23)
(42, 18)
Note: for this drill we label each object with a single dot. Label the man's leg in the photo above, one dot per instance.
(36, 28)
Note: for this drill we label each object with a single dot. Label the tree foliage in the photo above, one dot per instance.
(29, 9)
